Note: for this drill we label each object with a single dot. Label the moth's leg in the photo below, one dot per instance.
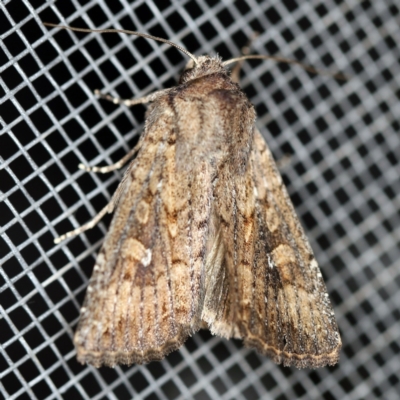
(85, 227)
(131, 102)
(245, 51)
(109, 208)
(108, 168)
(128, 102)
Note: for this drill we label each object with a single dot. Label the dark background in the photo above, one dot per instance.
(343, 143)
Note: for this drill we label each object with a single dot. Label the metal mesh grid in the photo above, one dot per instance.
(343, 176)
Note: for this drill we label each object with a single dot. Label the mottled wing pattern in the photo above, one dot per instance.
(143, 298)
(271, 293)
(204, 233)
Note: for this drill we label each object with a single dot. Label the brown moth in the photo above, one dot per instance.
(204, 235)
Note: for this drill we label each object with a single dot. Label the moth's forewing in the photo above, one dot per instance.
(204, 232)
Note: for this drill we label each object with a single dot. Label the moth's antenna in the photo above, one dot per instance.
(144, 35)
(308, 68)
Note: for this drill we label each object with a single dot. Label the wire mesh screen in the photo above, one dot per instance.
(341, 140)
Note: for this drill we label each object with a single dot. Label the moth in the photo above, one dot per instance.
(203, 235)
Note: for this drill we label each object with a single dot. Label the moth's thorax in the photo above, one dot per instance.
(206, 65)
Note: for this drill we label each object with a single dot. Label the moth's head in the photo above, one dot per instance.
(206, 65)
